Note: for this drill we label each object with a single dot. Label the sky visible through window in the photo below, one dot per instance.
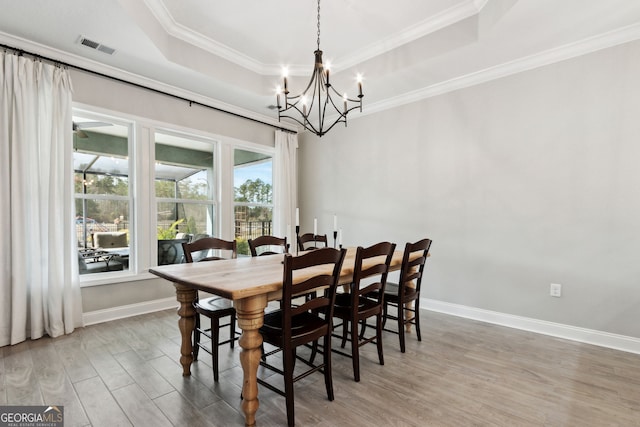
(262, 170)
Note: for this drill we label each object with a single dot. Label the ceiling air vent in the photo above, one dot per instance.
(97, 46)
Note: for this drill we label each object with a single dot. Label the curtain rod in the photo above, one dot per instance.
(191, 102)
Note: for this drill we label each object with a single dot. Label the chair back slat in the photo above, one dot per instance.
(310, 241)
(317, 304)
(265, 245)
(209, 244)
(413, 262)
(322, 271)
(381, 254)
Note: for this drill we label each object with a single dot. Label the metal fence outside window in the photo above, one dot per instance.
(246, 230)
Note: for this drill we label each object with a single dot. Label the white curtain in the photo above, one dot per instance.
(285, 185)
(39, 284)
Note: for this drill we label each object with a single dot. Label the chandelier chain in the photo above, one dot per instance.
(318, 24)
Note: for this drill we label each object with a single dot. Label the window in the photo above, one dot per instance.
(102, 195)
(184, 178)
(253, 196)
(143, 187)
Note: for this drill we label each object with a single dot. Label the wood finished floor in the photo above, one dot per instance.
(463, 373)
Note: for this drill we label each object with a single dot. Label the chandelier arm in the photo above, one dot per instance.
(305, 90)
(319, 87)
(348, 99)
(322, 112)
(299, 96)
(307, 125)
(313, 100)
(294, 107)
(341, 119)
(298, 100)
(355, 107)
(335, 107)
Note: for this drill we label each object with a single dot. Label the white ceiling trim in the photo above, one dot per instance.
(434, 23)
(571, 50)
(561, 53)
(179, 31)
(88, 64)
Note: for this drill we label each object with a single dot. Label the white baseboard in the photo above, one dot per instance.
(588, 336)
(108, 314)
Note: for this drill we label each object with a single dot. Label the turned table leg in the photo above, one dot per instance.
(250, 314)
(408, 313)
(186, 323)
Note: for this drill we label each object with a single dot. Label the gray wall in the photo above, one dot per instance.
(105, 93)
(119, 97)
(521, 182)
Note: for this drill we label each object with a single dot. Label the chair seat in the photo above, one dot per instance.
(214, 307)
(392, 290)
(343, 304)
(302, 325)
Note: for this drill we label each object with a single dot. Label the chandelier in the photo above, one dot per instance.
(320, 100)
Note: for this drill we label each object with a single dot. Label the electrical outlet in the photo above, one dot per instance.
(555, 290)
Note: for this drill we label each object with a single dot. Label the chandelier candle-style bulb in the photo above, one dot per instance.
(278, 91)
(317, 108)
(326, 72)
(285, 72)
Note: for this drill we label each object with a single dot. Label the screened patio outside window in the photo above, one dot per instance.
(102, 193)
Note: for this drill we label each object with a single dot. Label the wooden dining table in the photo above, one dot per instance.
(250, 282)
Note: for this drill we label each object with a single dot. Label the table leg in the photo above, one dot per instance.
(407, 314)
(185, 296)
(250, 314)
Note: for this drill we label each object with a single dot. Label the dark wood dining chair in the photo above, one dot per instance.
(364, 300)
(214, 308)
(294, 324)
(312, 241)
(268, 245)
(407, 290)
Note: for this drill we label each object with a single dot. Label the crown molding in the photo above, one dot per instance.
(99, 68)
(434, 23)
(561, 53)
(181, 32)
(568, 51)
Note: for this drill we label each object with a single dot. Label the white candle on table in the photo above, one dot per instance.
(335, 223)
(297, 217)
(340, 237)
(315, 226)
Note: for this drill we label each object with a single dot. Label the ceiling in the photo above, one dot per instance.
(230, 53)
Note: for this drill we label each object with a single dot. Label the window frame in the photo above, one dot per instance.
(212, 196)
(143, 203)
(120, 121)
(271, 154)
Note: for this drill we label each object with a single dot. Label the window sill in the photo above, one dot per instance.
(114, 278)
